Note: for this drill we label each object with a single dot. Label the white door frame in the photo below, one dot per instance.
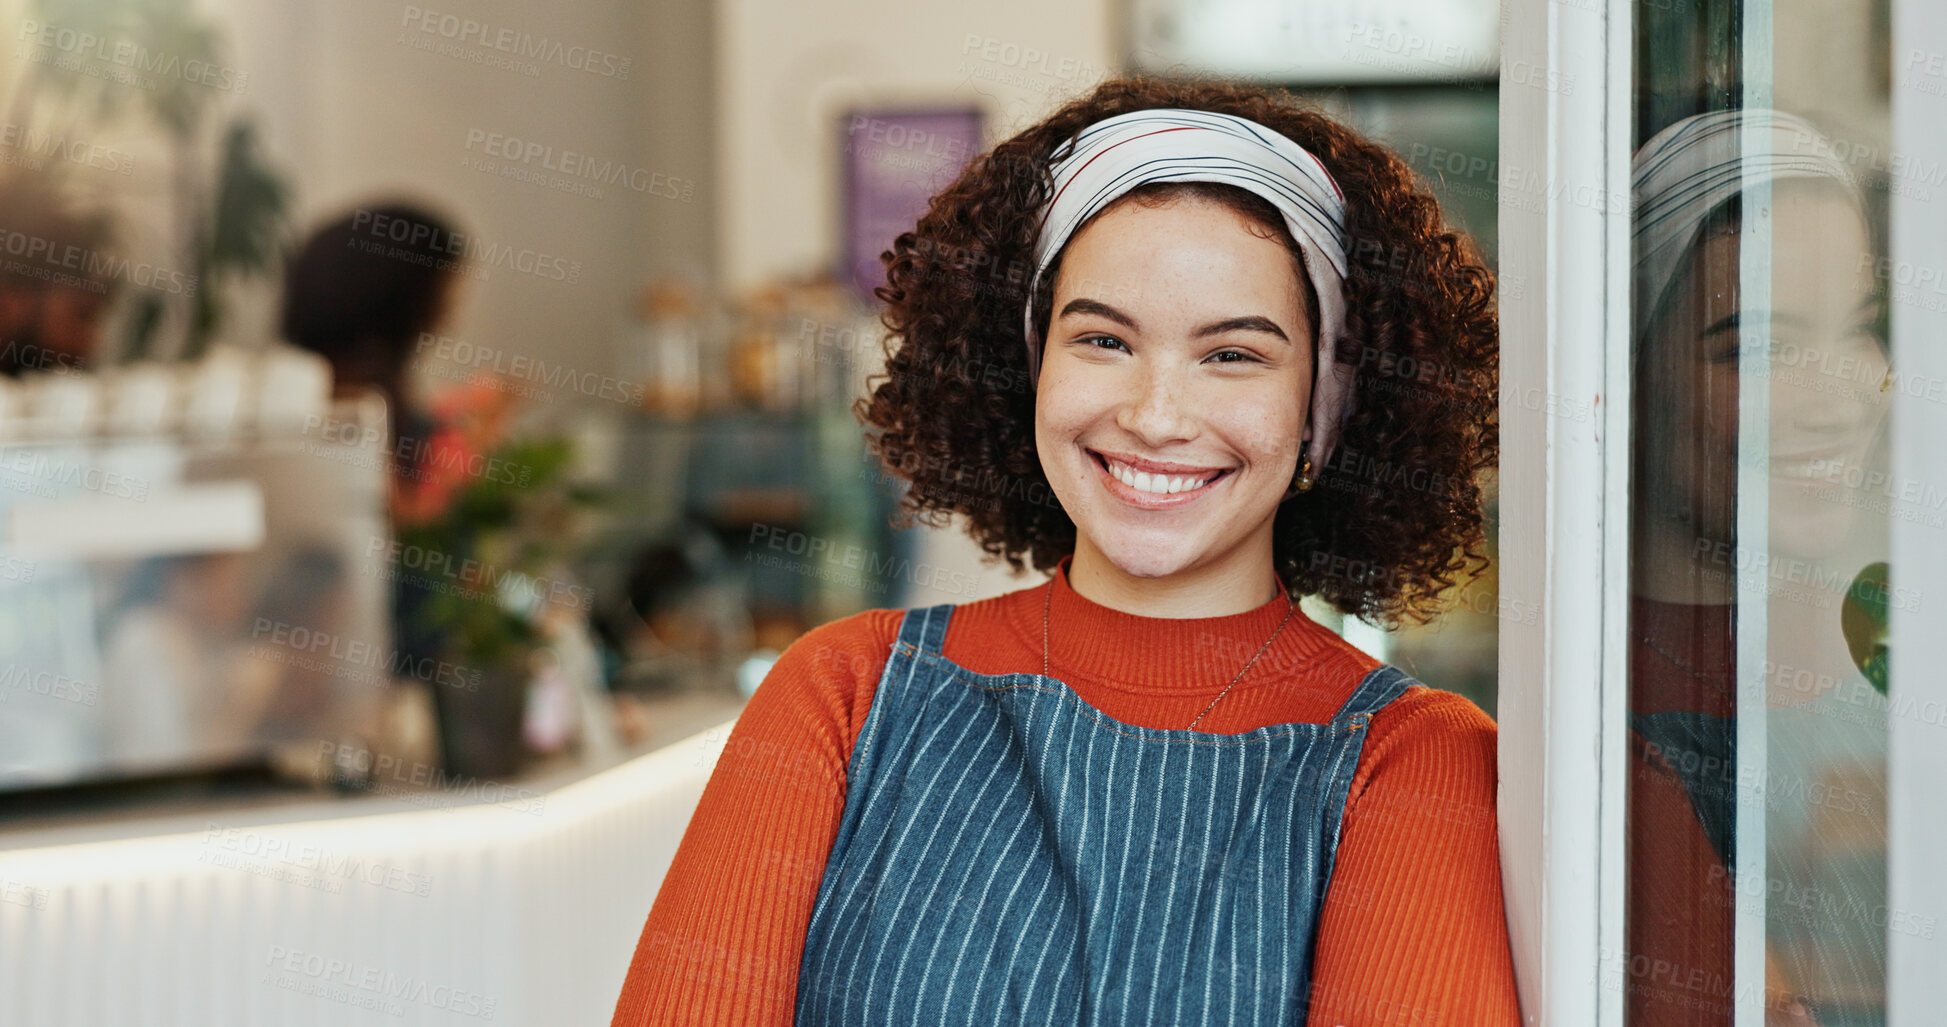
(1565, 142)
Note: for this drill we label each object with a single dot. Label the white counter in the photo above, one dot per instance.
(517, 905)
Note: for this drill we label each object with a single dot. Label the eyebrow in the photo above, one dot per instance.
(1734, 320)
(1099, 309)
(1249, 322)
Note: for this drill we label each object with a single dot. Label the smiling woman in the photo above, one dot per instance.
(1205, 807)
(1413, 356)
(1170, 427)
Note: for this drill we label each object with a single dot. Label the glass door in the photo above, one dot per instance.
(1723, 766)
(1759, 504)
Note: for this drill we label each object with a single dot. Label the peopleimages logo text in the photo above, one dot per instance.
(122, 53)
(382, 229)
(516, 42)
(82, 266)
(576, 165)
(29, 148)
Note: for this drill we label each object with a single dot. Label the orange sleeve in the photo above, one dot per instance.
(1413, 931)
(1682, 910)
(724, 938)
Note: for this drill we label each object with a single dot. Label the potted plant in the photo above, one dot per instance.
(493, 515)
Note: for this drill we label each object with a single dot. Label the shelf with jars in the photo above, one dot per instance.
(755, 511)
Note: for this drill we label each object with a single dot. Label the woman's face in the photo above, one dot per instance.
(1826, 367)
(1174, 387)
(1824, 376)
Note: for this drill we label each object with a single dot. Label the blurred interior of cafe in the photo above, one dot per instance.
(422, 425)
(419, 386)
(413, 406)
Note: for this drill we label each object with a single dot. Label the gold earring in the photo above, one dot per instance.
(1304, 479)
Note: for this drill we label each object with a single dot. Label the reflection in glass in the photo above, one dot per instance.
(1701, 185)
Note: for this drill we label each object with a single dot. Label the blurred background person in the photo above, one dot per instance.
(361, 299)
(361, 291)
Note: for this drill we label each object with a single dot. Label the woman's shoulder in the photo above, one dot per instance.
(1431, 752)
(1427, 708)
(848, 647)
(1431, 724)
(825, 680)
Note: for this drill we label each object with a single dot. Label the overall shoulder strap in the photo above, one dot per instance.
(924, 628)
(1383, 685)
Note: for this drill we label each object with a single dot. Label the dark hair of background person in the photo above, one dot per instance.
(359, 295)
(53, 293)
(1393, 521)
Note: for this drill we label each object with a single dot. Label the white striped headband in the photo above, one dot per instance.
(1690, 168)
(1111, 157)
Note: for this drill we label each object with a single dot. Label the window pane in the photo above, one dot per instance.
(1759, 508)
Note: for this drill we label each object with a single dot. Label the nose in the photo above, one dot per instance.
(1157, 412)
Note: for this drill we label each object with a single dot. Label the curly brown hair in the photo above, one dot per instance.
(1395, 517)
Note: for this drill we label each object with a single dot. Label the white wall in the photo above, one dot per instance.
(786, 74)
(359, 112)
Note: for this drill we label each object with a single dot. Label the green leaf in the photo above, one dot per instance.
(251, 203)
(1863, 620)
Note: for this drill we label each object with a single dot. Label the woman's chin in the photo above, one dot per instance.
(1146, 558)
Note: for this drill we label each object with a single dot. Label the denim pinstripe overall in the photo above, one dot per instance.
(1010, 855)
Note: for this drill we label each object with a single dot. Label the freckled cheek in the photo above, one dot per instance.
(1263, 433)
(1065, 409)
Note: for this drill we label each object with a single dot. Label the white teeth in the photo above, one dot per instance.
(1143, 481)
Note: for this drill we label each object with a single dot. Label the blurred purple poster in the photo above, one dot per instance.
(895, 160)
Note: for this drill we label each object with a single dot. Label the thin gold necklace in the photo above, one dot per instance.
(1048, 599)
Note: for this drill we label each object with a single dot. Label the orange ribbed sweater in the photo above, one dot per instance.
(1412, 931)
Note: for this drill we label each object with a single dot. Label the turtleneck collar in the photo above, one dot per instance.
(1163, 655)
